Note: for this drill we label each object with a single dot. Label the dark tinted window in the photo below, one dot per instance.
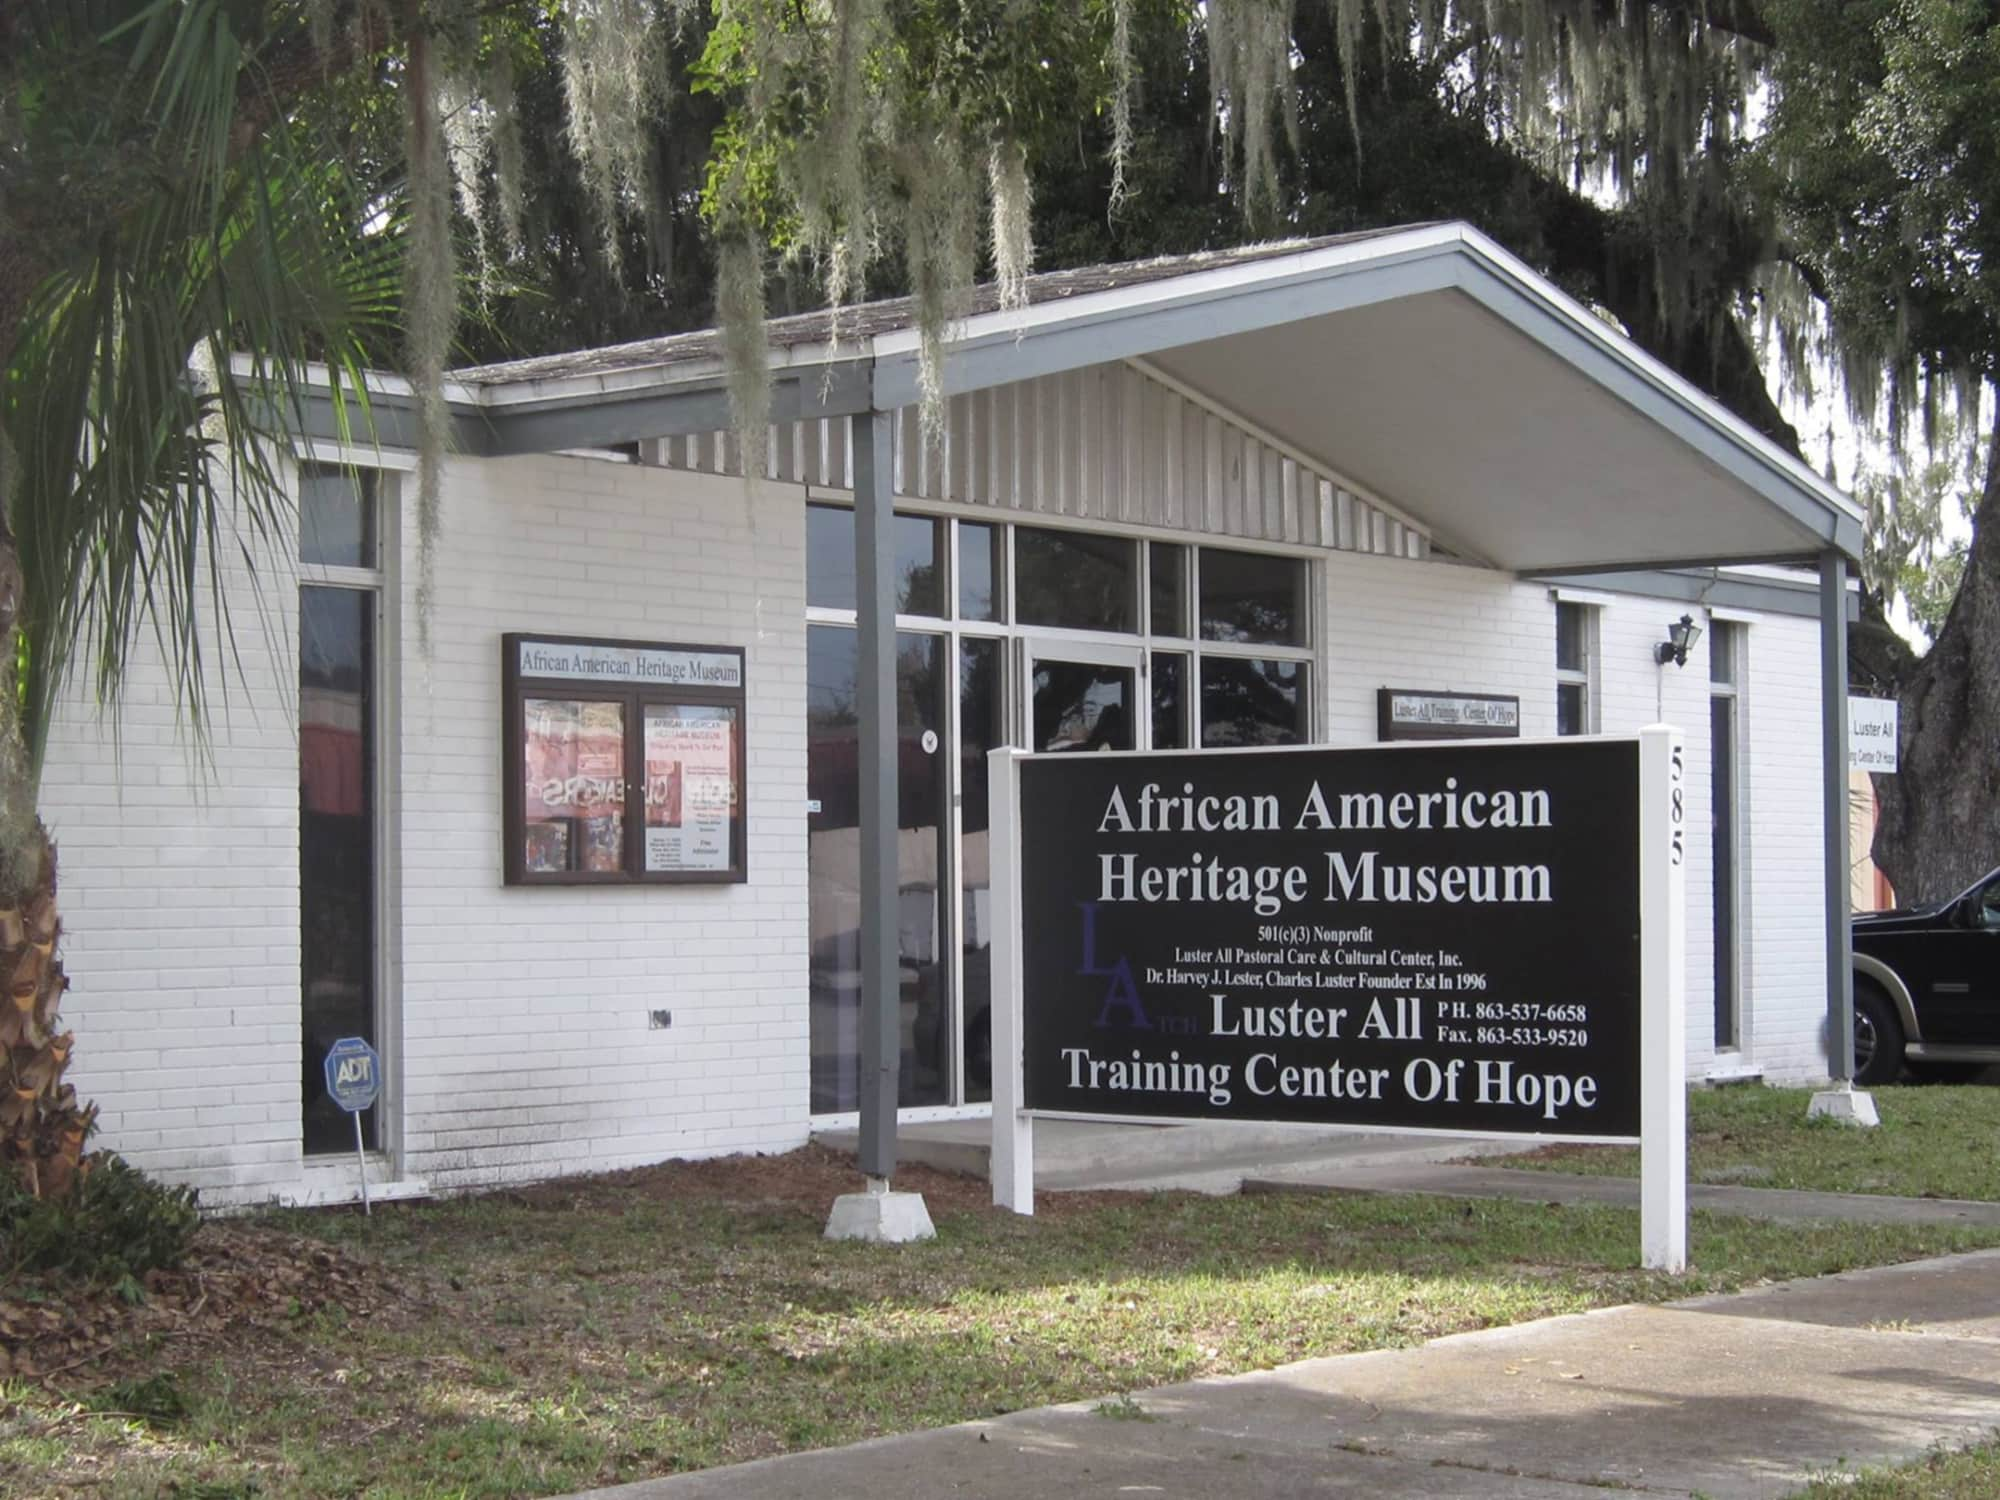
(1075, 581)
(1169, 588)
(1246, 596)
(830, 578)
(337, 517)
(1570, 637)
(1246, 702)
(978, 571)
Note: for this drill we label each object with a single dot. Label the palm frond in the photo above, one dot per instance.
(147, 466)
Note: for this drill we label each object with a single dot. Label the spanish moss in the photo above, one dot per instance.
(430, 312)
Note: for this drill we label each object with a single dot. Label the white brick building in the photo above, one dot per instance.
(1196, 496)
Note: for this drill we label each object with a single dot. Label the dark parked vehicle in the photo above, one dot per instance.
(1927, 987)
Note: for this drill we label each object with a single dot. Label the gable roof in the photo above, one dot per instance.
(1426, 363)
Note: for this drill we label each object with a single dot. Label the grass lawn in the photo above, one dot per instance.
(1934, 1142)
(1971, 1475)
(600, 1330)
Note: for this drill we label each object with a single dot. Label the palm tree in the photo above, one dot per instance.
(159, 209)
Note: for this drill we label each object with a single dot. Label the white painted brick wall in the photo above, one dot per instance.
(524, 1048)
(526, 1045)
(179, 893)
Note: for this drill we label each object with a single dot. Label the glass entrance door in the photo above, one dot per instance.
(1083, 697)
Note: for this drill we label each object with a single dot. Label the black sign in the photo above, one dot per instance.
(1437, 936)
(1408, 714)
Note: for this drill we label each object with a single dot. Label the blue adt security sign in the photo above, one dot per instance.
(353, 1074)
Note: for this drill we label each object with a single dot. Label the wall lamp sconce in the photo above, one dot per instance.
(1682, 634)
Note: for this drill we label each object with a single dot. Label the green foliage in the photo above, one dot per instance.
(157, 1400)
(116, 1225)
(1885, 144)
(1920, 509)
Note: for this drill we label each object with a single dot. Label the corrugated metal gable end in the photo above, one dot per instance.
(1106, 443)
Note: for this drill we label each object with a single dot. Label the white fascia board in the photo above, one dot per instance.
(316, 376)
(353, 455)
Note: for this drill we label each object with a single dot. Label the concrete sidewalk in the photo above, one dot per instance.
(1739, 1396)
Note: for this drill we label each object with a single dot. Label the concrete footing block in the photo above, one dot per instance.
(1849, 1106)
(880, 1216)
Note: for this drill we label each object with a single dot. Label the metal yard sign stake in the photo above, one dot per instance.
(1444, 938)
(353, 1079)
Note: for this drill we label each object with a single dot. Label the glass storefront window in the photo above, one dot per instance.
(1246, 701)
(1170, 700)
(336, 845)
(337, 517)
(1073, 580)
(1168, 562)
(920, 565)
(1252, 597)
(920, 561)
(979, 571)
(830, 557)
(1572, 634)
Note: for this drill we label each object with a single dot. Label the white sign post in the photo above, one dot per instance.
(1871, 735)
(1013, 1165)
(1663, 835)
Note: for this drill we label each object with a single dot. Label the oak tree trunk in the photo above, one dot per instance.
(1939, 824)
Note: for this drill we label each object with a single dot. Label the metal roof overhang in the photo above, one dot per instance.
(1426, 365)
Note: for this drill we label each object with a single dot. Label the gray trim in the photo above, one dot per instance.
(391, 421)
(875, 590)
(597, 420)
(547, 427)
(1116, 333)
(1668, 409)
(1834, 813)
(1762, 595)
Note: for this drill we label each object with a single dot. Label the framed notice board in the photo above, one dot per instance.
(623, 760)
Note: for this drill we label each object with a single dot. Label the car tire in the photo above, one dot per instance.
(1878, 1036)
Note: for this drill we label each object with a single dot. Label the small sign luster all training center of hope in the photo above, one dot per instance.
(1440, 938)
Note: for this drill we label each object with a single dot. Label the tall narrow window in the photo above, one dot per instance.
(1724, 729)
(1575, 624)
(339, 611)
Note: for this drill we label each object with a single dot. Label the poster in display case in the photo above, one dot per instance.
(691, 765)
(597, 730)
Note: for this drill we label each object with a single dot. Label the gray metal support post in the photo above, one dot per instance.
(875, 603)
(1833, 771)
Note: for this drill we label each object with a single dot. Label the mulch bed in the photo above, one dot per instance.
(234, 1274)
